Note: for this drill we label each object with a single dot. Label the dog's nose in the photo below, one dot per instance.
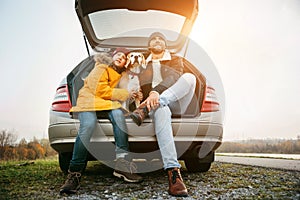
(136, 58)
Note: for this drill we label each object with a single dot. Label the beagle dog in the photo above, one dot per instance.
(129, 79)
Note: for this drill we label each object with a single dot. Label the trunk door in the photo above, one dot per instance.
(129, 23)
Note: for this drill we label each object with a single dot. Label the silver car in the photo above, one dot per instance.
(128, 23)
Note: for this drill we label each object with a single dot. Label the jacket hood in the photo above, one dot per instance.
(103, 58)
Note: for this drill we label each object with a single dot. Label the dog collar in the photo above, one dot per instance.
(132, 74)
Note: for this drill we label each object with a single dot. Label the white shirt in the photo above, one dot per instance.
(157, 78)
(156, 73)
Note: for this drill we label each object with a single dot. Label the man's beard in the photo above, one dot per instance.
(156, 50)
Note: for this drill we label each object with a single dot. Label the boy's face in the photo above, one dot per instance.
(119, 59)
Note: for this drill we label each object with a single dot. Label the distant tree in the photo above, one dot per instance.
(7, 139)
(31, 155)
(287, 147)
(23, 143)
(261, 146)
(297, 147)
(37, 148)
(22, 152)
(10, 153)
(49, 151)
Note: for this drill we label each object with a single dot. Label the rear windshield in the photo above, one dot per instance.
(122, 22)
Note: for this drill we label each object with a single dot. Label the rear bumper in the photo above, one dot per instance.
(189, 133)
(62, 137)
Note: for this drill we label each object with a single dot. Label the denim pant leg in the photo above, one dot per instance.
(164, 135)
(88, 123)
(120, 132)
(179, 95)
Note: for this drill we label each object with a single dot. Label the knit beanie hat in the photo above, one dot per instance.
(120, 49)
(157, 34)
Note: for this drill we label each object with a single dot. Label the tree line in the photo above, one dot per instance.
(23, 150)
(36, 149)
(262, 146)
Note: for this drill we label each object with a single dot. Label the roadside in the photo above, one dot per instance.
(42, 179)
(263, 155)
(276, 163)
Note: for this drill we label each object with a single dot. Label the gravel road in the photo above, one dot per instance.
(222, 181)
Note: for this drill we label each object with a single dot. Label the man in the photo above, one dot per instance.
(167, 90)
(99, 95)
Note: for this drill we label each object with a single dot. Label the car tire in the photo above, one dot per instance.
(195, 165)
(64, 161)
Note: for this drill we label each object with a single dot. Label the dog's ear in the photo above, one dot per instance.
(127, 60)
(144, 62)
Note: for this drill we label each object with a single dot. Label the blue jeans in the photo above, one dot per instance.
(175, 99)
(88, 123)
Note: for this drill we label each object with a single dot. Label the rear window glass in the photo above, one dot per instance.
(121, 22)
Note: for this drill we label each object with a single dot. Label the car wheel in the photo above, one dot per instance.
(195, 165)
(64, 161)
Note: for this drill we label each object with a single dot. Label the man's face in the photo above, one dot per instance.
(157, 45)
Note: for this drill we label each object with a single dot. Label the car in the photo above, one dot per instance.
(128, 23)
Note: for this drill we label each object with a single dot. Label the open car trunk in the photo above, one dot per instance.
(129, 23)
(76, 78)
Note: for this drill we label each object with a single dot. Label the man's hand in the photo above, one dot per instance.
(152, 101)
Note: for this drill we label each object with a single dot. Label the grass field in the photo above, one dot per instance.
(21, 181)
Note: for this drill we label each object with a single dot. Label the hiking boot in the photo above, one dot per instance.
(127, 171)
(72, 183)
(176, 185)
(139, 114)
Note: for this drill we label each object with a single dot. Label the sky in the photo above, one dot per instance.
(254, 44)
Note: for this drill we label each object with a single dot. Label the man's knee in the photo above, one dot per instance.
(189, 78)
(162, 113)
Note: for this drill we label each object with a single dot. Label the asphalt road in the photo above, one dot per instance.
(262, 162)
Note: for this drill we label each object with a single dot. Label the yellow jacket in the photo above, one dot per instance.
(99, 92)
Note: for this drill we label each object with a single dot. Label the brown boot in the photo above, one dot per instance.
(176, 185)
(139, 114)
(72, 183)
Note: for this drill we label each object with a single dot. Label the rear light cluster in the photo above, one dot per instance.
(210, 102)
(61, 102)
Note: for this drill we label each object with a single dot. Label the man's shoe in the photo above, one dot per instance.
(176, 185)
(72, 183)
(139, 114)
(127, 171)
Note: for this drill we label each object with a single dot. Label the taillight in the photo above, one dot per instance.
(61, 100)
(210, 102)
